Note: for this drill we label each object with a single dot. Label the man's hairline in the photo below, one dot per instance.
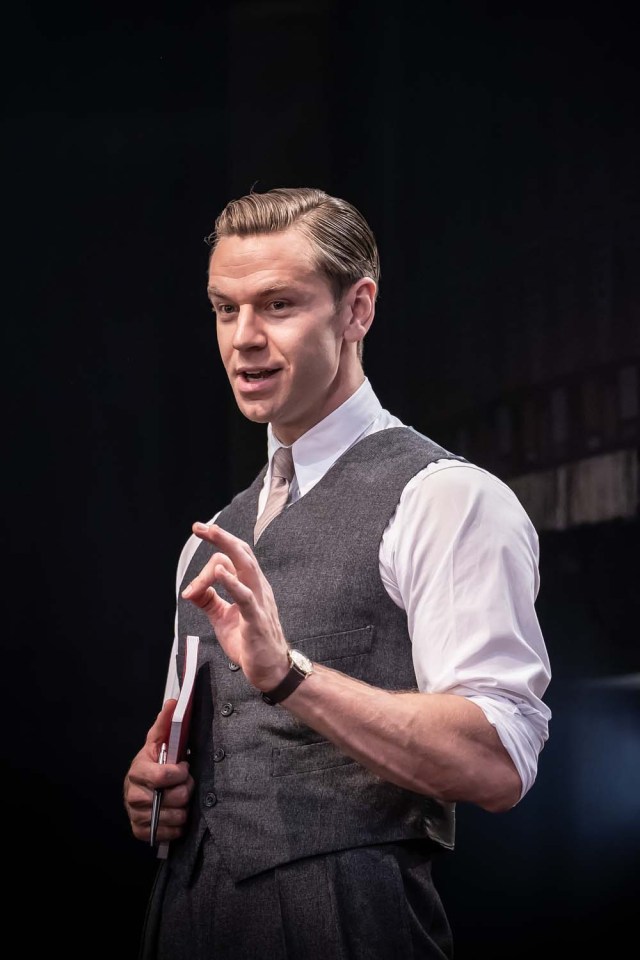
(317, 269)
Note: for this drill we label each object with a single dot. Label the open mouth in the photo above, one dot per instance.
(251, 375)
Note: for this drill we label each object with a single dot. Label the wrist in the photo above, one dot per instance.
(299, 668)
(276, 675)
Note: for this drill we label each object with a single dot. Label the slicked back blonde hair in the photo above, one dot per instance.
(342, 241)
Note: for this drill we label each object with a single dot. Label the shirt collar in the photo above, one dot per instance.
(317, 450)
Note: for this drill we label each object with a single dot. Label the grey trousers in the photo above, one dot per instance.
(369, 903)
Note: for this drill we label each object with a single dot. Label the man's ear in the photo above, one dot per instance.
(360, 307)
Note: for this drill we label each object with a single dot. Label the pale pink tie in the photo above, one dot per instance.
(282, 471)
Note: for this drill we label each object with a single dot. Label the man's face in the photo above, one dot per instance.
(279, 331)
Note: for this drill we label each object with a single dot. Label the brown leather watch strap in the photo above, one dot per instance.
(286, 687)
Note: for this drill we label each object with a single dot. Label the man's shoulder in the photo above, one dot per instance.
(462, 487)
(401, 442)
(444, 476)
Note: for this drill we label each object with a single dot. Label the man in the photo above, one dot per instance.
(370, 655)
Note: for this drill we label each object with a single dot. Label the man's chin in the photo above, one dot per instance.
(254, 411)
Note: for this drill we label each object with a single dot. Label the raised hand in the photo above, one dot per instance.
(248, 628)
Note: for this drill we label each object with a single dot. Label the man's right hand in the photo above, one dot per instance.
(146, 775)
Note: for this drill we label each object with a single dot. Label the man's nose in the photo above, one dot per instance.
(249, 332)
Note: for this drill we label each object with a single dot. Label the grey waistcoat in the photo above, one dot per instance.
(268, 788)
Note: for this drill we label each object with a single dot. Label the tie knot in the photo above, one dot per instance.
(282, 465)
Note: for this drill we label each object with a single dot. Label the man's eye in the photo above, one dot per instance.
(223, 309)
(279, 304)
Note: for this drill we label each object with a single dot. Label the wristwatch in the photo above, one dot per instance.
(299, 670)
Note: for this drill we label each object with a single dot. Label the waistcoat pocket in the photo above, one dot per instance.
(305, 758)
(335, 646)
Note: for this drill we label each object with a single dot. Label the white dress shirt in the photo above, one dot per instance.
(460, 556)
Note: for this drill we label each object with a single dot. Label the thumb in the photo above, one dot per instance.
(159, 732)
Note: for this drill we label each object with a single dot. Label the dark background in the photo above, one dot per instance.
(495, 153)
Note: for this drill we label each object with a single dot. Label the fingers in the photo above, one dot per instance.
(222, 568)
(239, 552)
(247, 625)
(144, 776)
(202, 594)
(235, 557)
(145, 773)
(171, 824)
(159, 732)
(179, 795)
(200, 591)
(173, 811)
(242, 595)
(205, 597)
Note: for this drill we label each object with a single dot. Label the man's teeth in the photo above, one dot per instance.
(260, 375)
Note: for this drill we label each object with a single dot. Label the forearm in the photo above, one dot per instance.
(440, 745)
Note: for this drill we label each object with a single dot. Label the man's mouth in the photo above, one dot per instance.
(250, 375)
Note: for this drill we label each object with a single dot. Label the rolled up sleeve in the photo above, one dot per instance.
(460, 556)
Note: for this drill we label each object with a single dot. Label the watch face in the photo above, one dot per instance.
(303, 663)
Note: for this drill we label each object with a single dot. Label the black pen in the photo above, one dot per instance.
(157, 800)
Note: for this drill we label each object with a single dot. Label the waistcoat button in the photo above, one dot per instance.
(210, 799)
(226, 709)
(218, 755)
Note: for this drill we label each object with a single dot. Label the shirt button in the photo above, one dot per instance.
(218, 755)
(210, 799)
(226, 709)
(233, 666)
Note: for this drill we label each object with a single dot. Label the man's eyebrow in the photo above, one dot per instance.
(265, 292)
